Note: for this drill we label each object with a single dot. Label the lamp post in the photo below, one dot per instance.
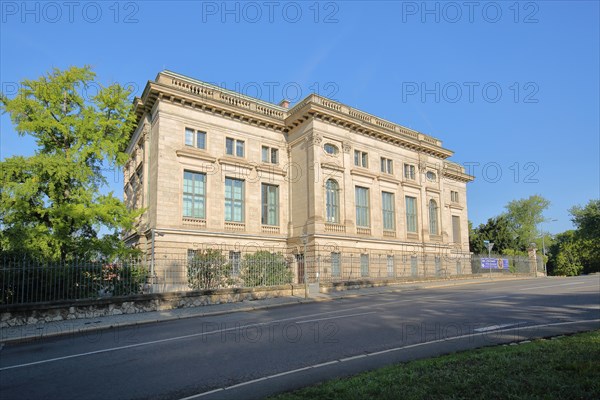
(544, 245)
(305, 242)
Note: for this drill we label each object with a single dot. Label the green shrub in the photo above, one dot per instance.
(208, 269)
(265, 269)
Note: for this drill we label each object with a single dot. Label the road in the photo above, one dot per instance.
(254, 354)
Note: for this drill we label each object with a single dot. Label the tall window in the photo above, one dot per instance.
(195, 138)
(389, 216)
(234, 200)
(387, 166)
(336, 263)
(270, 204)
(456, 229)
(362, 206)
(433, 217)
(234, 147)
(411, 214)
(332, 201)
(194, 195)
(409, 171)
(270, 155)
(361, 159)
(364, 265)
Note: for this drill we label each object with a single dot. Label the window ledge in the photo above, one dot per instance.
(195, 153)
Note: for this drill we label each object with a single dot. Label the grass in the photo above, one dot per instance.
(563, 368)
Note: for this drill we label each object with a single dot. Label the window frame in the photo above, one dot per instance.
(267, 207)
(195, 138)
(335, 150)
(387, 165)
(411, 217)
(388, 215)
(269, 155)
(410, 172)
(234, 201)
(201, 196)
(433, 217)
(332, 208)
(233, 150)
(361, 158)
(362, 210)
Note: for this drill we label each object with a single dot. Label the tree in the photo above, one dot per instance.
(566, 255)
(587, 222)
(50, 203)
(265, 269)
(497, 230)
(523, 217)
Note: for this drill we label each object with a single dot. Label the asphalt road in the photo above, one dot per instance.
(253, 354)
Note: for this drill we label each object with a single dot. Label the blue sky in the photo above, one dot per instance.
(511, 87)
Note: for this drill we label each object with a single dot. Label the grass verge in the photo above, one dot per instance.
(567, 367)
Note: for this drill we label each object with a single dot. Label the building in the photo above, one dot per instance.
(217, 169)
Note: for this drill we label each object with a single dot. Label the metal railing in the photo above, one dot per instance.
(25, 281)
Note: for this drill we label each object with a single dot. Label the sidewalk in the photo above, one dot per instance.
(75, 326)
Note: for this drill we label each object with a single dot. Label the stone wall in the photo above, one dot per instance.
(18, 315)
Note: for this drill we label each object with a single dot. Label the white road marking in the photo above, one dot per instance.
(293, 371)
(552, 286)
(337, 317)
(494, 327)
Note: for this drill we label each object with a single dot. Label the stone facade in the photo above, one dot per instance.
(214, 168)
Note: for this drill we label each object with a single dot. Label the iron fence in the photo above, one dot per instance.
(24, 281)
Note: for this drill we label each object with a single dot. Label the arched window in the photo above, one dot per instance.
(433, 217)
(332, 201)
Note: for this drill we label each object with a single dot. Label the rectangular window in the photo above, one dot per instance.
(387, 166)
(390, 266)
(389, 215)
(454, 196)
(195, 138)
(362, 206)
(409, 171)
(194, 194)
(456, 229)
(234, 200)
(438, 266)
(235, 258)
(414, 266)
(336, 263)
(364, 265)
(411, 214)
(270, 205)
(270, 155)
(234, 147)
(361, 159)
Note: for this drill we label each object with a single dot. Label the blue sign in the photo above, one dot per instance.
(494, 263)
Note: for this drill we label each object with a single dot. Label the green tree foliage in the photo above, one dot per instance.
(523, 217)
(265, 269)
(50, 203)
(208, 269)
(497, 230)
(568, 254)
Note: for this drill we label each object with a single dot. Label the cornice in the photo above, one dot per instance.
(191, 93)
